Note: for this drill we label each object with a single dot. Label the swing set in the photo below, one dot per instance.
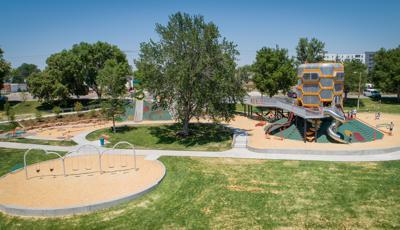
(78, 162)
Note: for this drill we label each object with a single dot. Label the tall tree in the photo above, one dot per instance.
(73, 71)
(46, 87)
(191, 70)
(310, 51)
(5, 68)
(386, 72)
(112, 80)
(355, 76)
(273, 71)
(20, 74)
(93, 58)
(67, 69)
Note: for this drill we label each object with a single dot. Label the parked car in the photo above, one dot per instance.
(372, 93)
(292, 94)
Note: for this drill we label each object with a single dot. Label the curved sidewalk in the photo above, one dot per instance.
(232, 153)
(239, 150)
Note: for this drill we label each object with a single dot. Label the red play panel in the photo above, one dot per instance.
(358, 136)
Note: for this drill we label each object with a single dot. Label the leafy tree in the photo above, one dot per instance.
(46, 87)
(112, 80)
(67, 69)
(310, 51)
(386, 72)
(73, 71)
(273, 71)
(5, 68)
(20, 74)
(191, 70)
(352, 70)
(93, 58)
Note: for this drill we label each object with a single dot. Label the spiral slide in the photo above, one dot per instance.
(338, 119)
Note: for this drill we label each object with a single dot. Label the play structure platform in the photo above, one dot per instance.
(299, 122)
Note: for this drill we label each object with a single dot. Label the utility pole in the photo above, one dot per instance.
(359, 90)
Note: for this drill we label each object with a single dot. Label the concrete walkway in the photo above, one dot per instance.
(236, 152)
(239, 150)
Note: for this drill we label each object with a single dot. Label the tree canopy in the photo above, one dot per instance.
(112, 80)
(46, 87)
(310, 51)
(74, 71)
(386, 72)
(352, 70)
(191, 70)
(5, 68)
(273, 71)
(93, 58)
(21, 73)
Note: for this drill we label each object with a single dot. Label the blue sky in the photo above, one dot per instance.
(32, 30)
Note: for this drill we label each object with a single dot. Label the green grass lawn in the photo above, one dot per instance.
(27, 107)
(217, 193)
(208, 137)
(30, 107)
(385, 105)
(12, 157)
(40, 142)
(6, 127)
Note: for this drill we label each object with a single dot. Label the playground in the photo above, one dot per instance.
(315, 116)
(258, 140)
(82, 180)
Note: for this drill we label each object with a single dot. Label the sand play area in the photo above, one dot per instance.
(46, 187)
(66, 132)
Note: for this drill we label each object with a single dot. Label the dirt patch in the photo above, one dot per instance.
(240, 188)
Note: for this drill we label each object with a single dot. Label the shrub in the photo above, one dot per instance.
(57, 110)
(92, 113)
(78, 107)
(11, 115)
(7, 108)
(38, 115)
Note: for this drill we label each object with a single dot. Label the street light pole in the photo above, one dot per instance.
(359, 92)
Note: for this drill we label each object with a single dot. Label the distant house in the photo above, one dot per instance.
(14, 87)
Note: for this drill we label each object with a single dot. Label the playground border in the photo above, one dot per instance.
(53, 212)
(322, 152)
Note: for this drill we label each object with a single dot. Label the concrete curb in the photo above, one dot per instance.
(52, 212)
(322, 152)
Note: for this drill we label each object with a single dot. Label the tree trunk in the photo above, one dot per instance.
(398, 93)
(185, 129)
(113, 120)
